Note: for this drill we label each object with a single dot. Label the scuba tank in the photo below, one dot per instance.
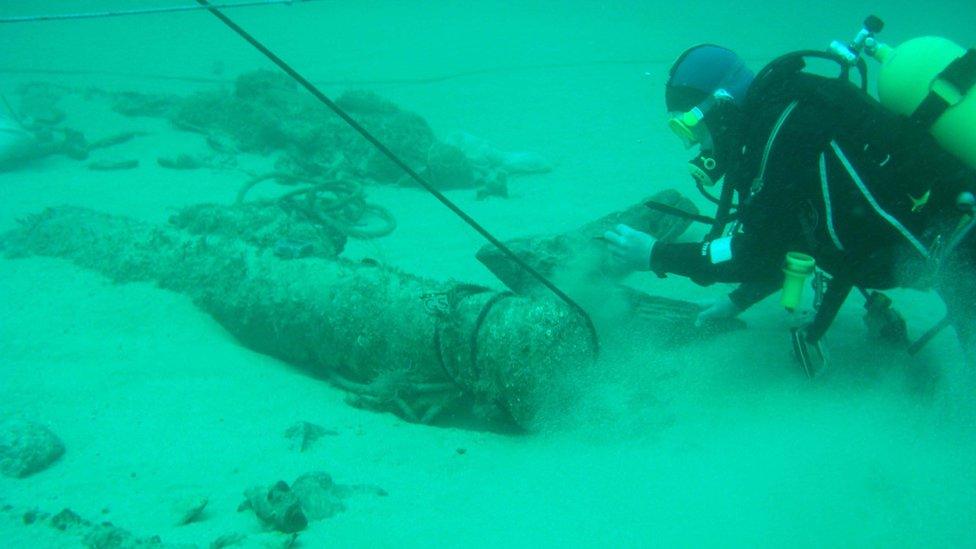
(928, 79)
(931, 81)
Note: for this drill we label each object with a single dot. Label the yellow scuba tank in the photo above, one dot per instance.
(931, 80)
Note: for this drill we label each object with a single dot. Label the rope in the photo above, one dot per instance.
(144, 11)
(406, 168)
(343, 211)
(456, 295)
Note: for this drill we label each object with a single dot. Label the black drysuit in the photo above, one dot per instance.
(826, 171)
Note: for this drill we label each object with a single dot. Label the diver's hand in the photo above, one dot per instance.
(716, 309)
(631, 247)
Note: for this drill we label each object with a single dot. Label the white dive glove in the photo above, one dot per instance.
(631, 247)
(716, 309)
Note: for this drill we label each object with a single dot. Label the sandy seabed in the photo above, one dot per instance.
(722, 442)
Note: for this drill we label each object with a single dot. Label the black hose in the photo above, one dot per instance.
(406, 168)
(678, 212)
(723, 215)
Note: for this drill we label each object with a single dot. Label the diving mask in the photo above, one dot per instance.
(689, 126)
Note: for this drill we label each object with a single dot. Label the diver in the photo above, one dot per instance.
(822, 175)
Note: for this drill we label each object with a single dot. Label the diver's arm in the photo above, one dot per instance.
(739, 258)
(748, 294)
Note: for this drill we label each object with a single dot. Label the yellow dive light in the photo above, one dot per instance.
(797, 268)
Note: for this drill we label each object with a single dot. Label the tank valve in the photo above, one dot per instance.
(864, 41)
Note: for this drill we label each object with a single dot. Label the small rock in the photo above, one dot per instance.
(303, 434)
(189, 509)
(316, 492)
(67, 519)
(108, 536)
(32, 516)
(220, 144)
(278, 507)
(181, 162)
(228, 540)
(27, 447)
(267, 540)
(495, 184)
(113, 165)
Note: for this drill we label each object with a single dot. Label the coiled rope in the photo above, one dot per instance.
(337, 203)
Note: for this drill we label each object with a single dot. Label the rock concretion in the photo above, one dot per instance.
(276, 506)
(27, 447)
(318, 495)
(312, 496)
(582, 248)
(413, 346)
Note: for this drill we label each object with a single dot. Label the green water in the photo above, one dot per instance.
(719, 443)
